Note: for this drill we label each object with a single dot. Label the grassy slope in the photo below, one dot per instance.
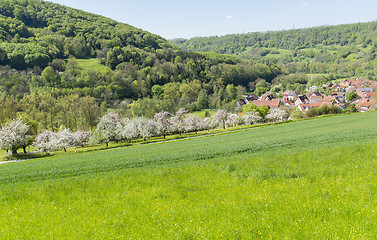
(90, 64)
(309, 179)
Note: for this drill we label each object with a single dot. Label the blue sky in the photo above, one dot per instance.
(186, 19)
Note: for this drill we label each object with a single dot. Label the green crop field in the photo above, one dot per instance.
(313, 179)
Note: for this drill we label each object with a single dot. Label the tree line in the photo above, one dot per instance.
(343, 50)
(22, 133)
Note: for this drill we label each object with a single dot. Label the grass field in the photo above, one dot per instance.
(90, 64)
(313, 179)
(202, 113)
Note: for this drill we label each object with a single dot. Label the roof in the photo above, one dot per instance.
(290, 93)
(274, 103)
(252, 97)
(367, 90)
(302, 98)
(321, 99)
(267, 96)
(306, 106)
(365, 94)
(316, 94)
(364, 104)
(338, 94)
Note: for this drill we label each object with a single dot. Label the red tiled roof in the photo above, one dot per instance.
(322, 99)
(364, 104)
(365, 94)
(274, 103)
(308, 106)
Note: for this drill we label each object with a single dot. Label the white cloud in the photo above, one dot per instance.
(229, 17)
(305, 4)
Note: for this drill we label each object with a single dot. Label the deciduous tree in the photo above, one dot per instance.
(219, 118)
(162, 119)
(13, 135)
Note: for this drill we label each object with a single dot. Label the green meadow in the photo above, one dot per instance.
(90, 64)
(312, 179)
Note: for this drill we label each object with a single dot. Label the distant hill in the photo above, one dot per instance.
(294, 39)
(349, 46)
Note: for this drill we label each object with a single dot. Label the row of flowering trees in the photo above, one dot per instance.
(111, 127)
(16, 134)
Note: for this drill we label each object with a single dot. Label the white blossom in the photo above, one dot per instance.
(146, 127)
(63, 139)
(232, 120)
(129, 130)
(107, 128)
(205, 123)
(277, 115)
(192, 123)
(162, 119)
(43, 142)
(82, 137)
(14, 135)
(219, 118)
(177, 122)
(251, 117)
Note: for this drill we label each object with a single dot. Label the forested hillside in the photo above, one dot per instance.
(42, 31)
(345, 50)
(42, 45)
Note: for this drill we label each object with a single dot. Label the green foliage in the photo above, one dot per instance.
(90, 64)
(351, 96)
(344, 50)
(60, 32)
(324, 110)
(62, 51)
(262, 110)
(259, 91)
(296, 114)
(249, 107)
(265, 176)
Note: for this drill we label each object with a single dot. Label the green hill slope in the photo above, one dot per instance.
(344, 49)
(310, 179)
(44, 31)
(49, 49)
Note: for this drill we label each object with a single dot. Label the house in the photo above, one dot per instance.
(290, 95)
(340, 99)
(301, 100)
(274, 103)
(344, 84)
(350, 89)
(367, 90)
(321, 99)
(266, 96)
(308, 93)
(340, 88)
(315, 94)
(326, 86)
(365, 94)
(251, 98)
(365, 104)
(306, 106)
(338, 94)
(288, 102)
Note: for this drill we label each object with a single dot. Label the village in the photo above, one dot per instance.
(359, 92)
